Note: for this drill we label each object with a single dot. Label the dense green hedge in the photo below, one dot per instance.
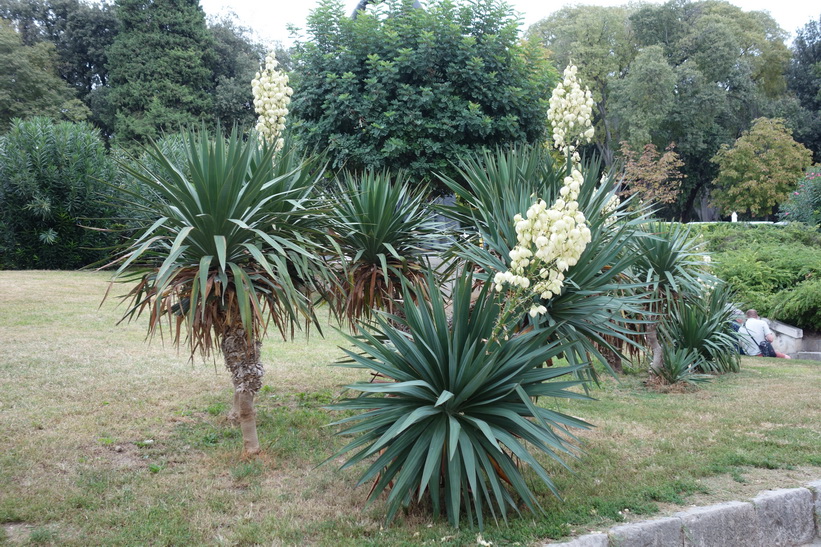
(774, 269)
(53, 183)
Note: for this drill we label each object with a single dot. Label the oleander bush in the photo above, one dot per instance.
(804, 204)
(53, 183)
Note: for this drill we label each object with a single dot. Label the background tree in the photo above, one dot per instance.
(655, 178)
(235, 60)
(30, 84)
(160, 67)
(804, 79)
(409, 88)
(644, 98)
(80, 32)
(50, 184)
(760, 170)
(729, 66)
(693, 73)
(599, 41)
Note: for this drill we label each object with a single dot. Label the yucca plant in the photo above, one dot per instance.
(681, 366)
(670, 265)
(460, 420)
(230, 251)
(385, 233)
(599, 310)
(703, 323)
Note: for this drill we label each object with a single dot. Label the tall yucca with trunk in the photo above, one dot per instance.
(231, 251)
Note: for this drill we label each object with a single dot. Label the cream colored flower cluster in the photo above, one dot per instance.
(550, 240)
(272, 95)
(610, 209)
(571, 111)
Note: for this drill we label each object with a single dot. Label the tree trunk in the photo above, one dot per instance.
(613, 359)
(242, 361)
(655, 347)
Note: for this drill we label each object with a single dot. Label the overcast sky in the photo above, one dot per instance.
(269, 19)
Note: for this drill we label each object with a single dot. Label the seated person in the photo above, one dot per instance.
(754, 331)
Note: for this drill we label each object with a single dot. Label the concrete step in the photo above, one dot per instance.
(811, 343)
(811, 355)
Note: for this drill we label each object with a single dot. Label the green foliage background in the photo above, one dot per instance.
(691, 73)
(52, 180)
(30, 84)
(160, 77)
(760, 170)
(774, 269)
(401, 87)
(804, 204)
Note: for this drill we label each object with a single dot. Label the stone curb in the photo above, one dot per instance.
(788, 517)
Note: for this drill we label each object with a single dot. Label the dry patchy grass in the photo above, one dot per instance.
(108, 440)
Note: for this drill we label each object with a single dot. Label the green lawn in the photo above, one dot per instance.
(106, 439)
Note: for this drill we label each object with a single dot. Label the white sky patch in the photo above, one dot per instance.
(270, 20)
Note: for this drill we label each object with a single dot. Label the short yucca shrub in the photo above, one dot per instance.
(455, 418)
(703, 324)
(383, 231)
(681, 366)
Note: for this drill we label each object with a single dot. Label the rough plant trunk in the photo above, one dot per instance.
(242, 361)
(613, 360)
(655, 348)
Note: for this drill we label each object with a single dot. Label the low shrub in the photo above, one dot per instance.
(804, 204)
(767, 267)
(732, 236)
(800, 306)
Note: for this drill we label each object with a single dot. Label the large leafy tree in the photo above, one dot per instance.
(804, 79)
(693, 73)
(804, 75)
(229, 252)
(644, 98)
(760, 170)
(599, 41)
(403, 87)
(235, 60)
(729, 66)
(30, 85)
(80, 31)
(159, 67)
